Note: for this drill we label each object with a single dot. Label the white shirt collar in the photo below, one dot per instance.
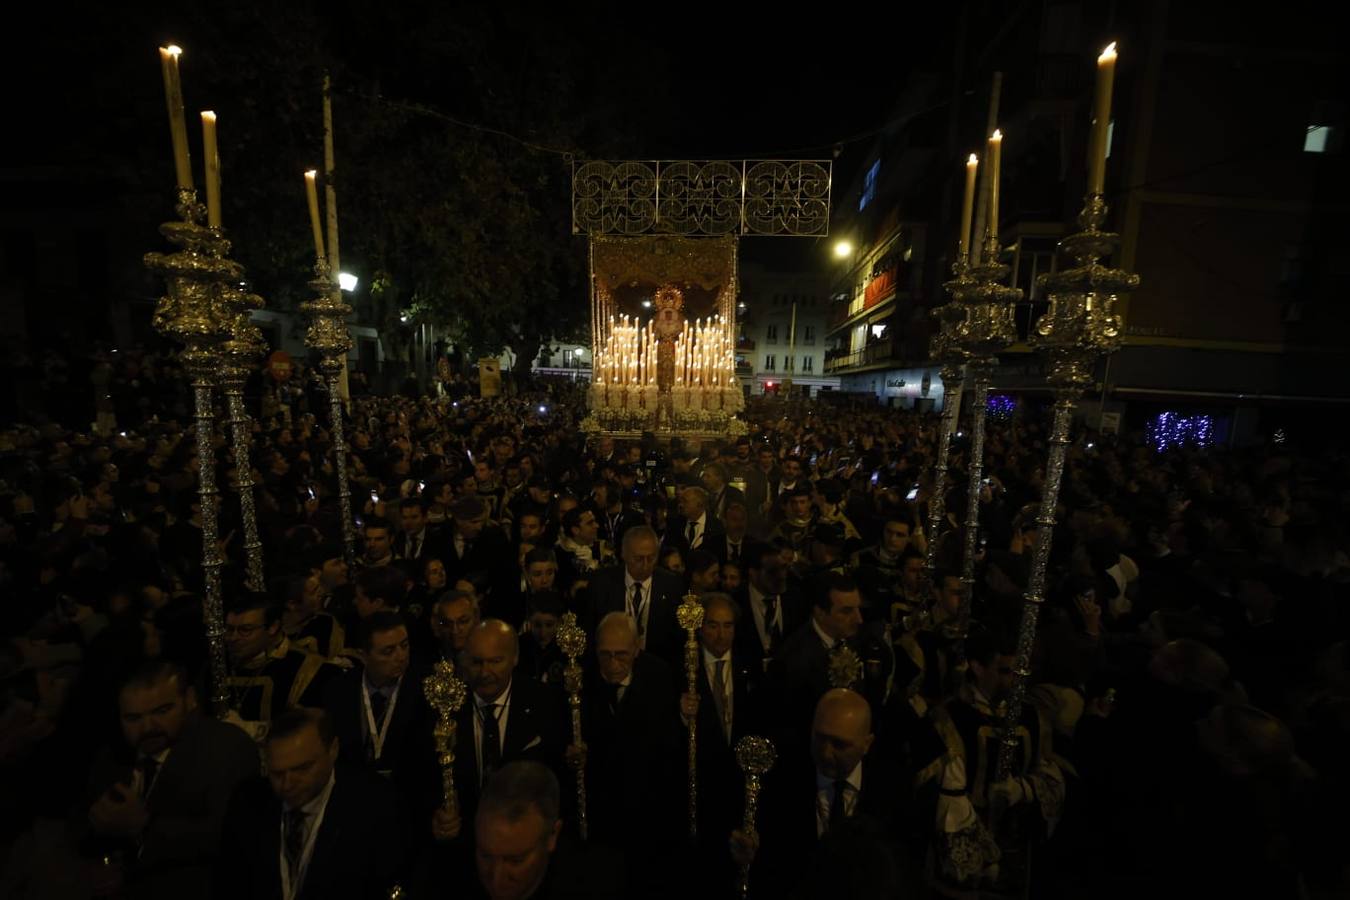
(503, 699)
(825, 639)
(628, 583)
(710, 660)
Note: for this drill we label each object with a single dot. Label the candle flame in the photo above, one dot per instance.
(312, 174)
(973, 160)
(996, 136)
(208, 116)
(175, 51)
(1108, 54)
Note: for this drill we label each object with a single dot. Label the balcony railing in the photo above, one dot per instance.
(876, 352)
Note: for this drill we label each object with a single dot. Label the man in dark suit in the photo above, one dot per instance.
(771, 612)
(614, 517)
(418, 540)
(729, 545)
(730, 703)
(523, 850)
(720, 493)
(833, 788)
(379, 713)
(805, 657)
(631, 727)
(694, 526)
(504, 719)
(315, 827)
(162, 796)
(478, 547)
(642, 592)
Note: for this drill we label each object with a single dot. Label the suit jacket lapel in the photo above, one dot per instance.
(520, 720)
(325, 846)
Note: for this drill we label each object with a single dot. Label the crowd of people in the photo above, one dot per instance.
(1188, 698)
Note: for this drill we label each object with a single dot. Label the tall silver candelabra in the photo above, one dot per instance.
(328, 335)
(189, 314)
(1080, 325)
(986, 330)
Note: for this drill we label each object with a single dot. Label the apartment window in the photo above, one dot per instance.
(769, 363)
(1317, 139)
(771, 334)
(869, 191)
(808, 363)
(809, 334)
(787, 364)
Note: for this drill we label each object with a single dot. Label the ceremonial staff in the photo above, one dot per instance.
(756, 757)
(572, 641)
(690, 615)
(446, 693)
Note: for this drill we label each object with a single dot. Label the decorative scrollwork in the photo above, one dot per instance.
(702, 198)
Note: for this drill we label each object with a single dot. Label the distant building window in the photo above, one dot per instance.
(809, 334)
(771, 334)
(869, 186)
(769, 363)
(1317, 139)
(787, 364)
(808, 363)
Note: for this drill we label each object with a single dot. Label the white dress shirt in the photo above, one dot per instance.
(643, 615)
(314, 812)
(759, 608)
(480, 709)
(700, 525)
(710, 666)
(825, 797)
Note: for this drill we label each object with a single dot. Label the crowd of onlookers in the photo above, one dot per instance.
(1188, 705)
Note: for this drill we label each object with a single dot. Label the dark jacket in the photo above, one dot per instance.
(665, 638)
(357, 853)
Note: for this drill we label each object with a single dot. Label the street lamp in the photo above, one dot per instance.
(347, 281)
(843, 250)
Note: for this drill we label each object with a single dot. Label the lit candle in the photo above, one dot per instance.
(995, 166)
(967, 207)
(1101, 119)
(212, 154)
(312, 194)
(173, 96)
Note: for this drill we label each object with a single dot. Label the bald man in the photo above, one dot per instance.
(834, 790)
(504, 719)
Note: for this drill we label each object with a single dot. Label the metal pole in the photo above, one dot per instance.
(340, 463)
(213, 609)
(1035, 593)
(979, 399)
(239, 431)
(937, 504)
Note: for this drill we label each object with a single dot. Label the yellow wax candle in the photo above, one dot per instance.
(312, 194)
(967, 207)
(1101, 119)
(212, 154)
(173, 97)
(995, 165)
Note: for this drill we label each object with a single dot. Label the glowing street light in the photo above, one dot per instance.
(843, 250)
(347, 281)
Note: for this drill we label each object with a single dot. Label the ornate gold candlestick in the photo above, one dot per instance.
(1080, 325)
(238, 355)
(846, 667)
(572, 642)
(188, 314)
(690, 616)
(328, 335)
(446, 693)
(756, 756)
(986, 330)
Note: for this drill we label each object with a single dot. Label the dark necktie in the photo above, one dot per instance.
(720, 696)
(637, 607)
(734, 551)
(612, 690)
(294, 828)
(771, 625)
(149, 768)
(690, 538)
(379, 705)
(837, 813)
(492, 744)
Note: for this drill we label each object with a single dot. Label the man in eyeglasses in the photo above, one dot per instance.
(267, 673)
